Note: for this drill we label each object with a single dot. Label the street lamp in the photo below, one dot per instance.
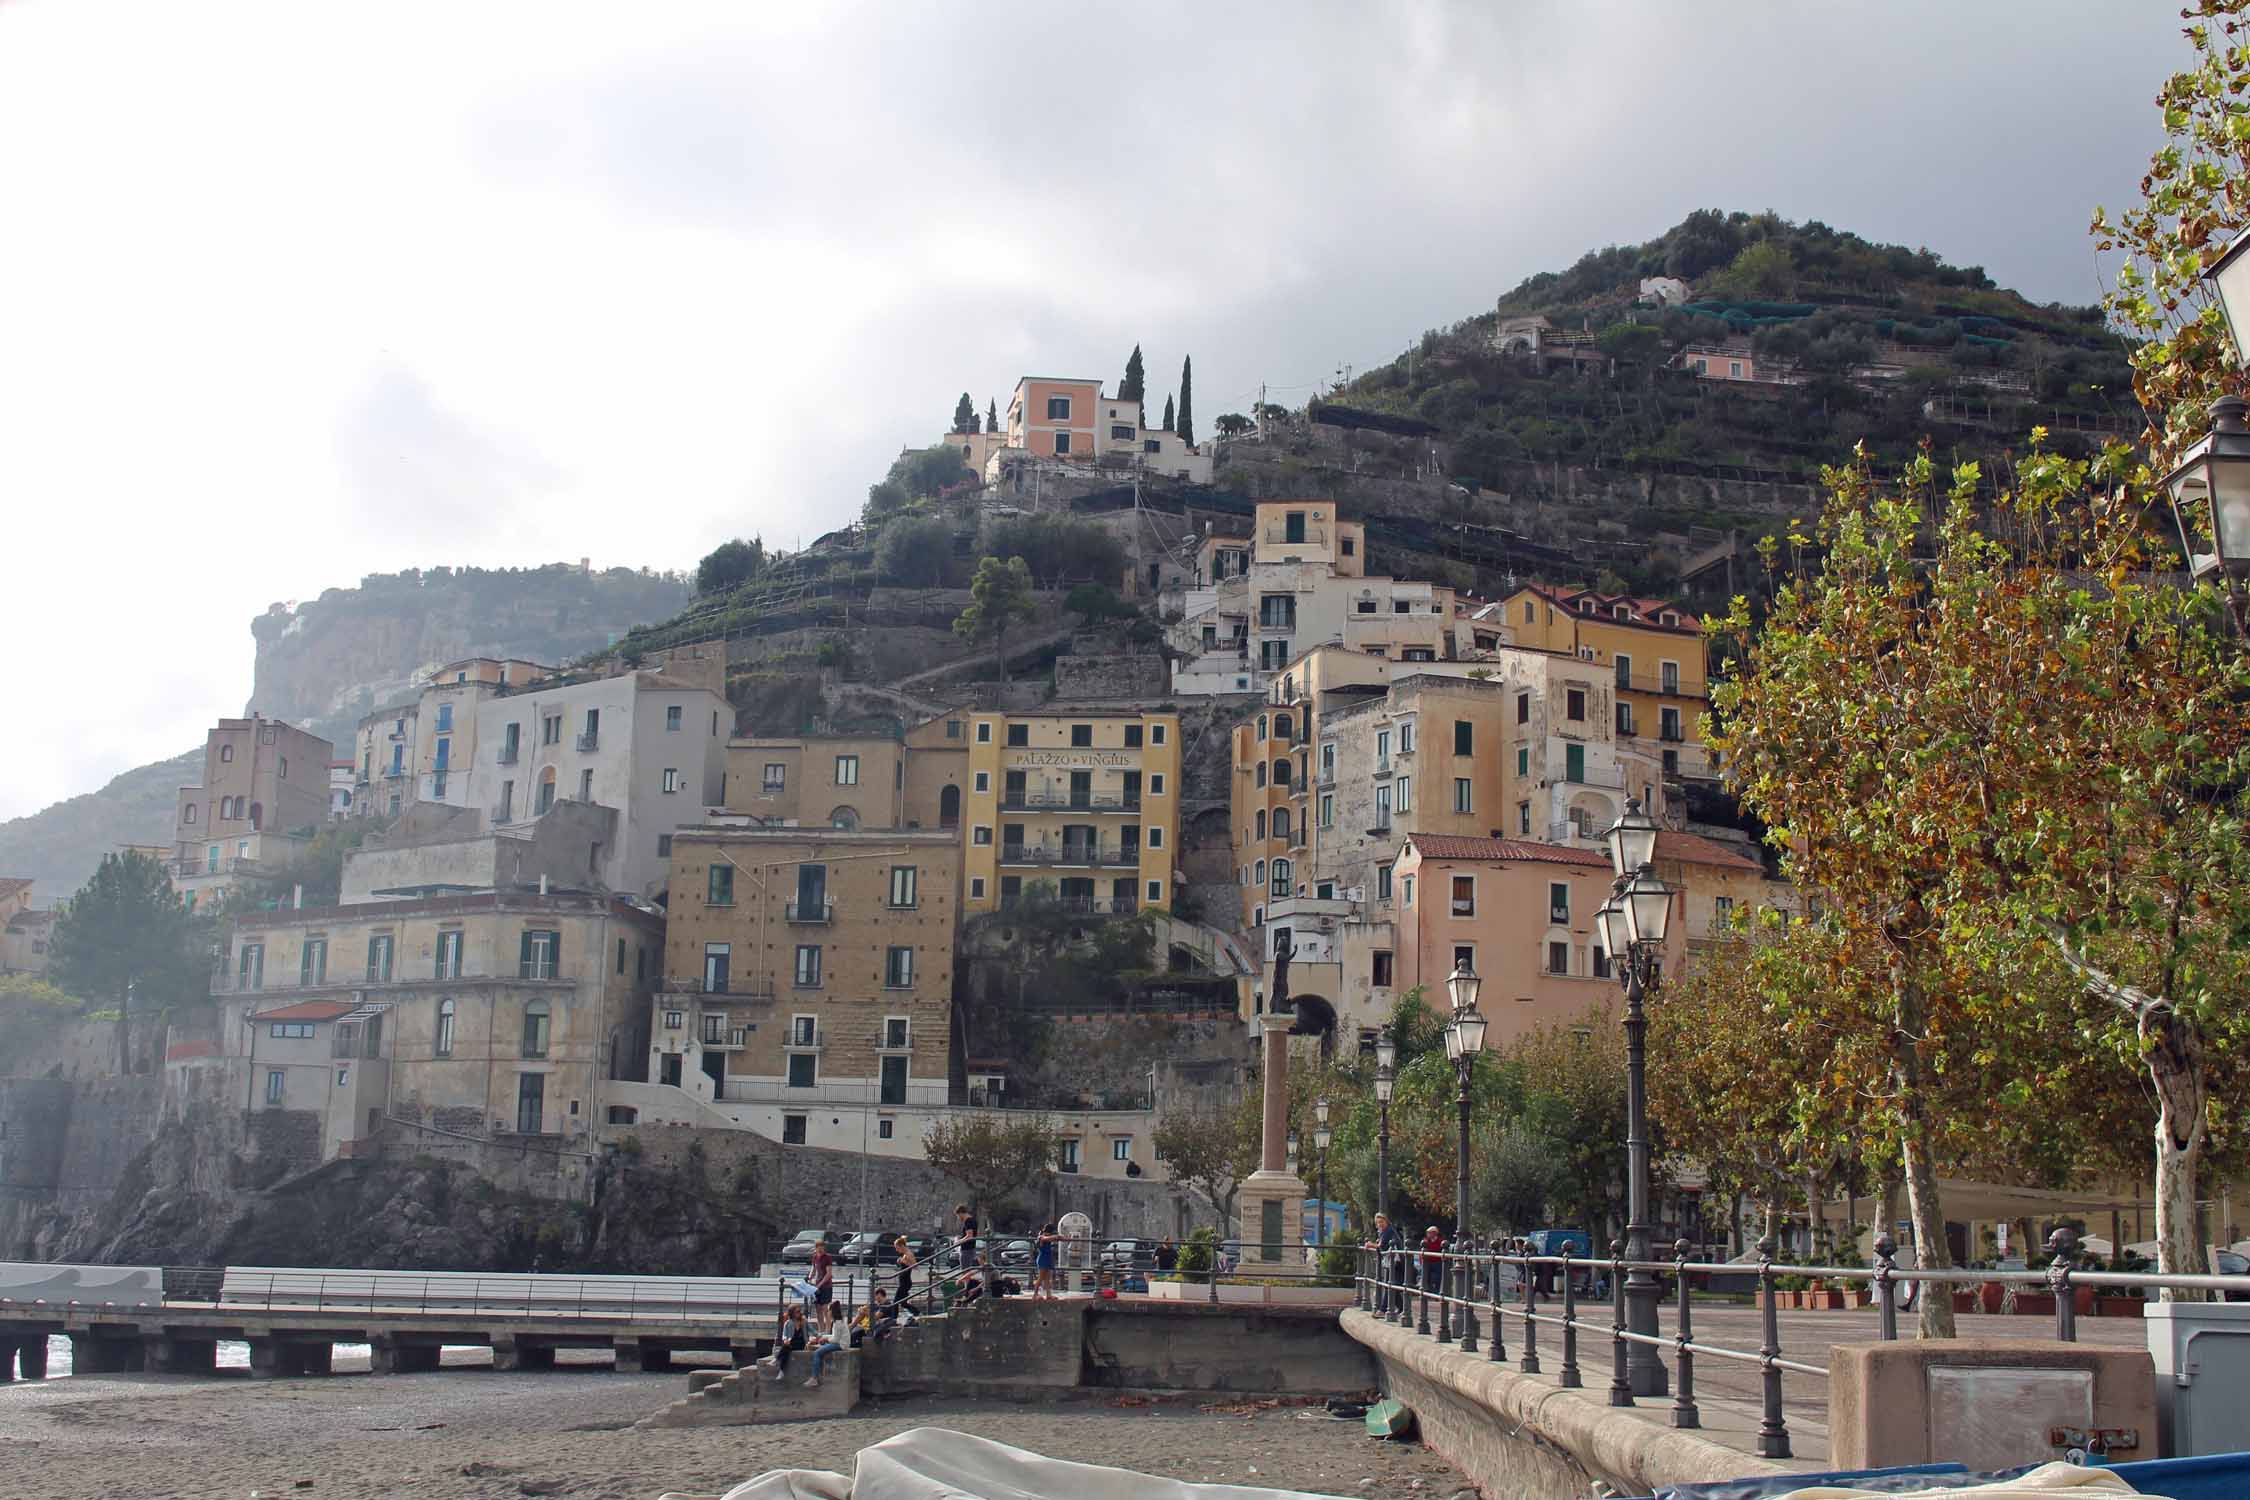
(1464, 1039)
(1633, 924)
(1386, 1080)
(1320, 1139)
(2210, 490)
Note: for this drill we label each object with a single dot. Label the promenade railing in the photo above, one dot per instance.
(1482, 1285)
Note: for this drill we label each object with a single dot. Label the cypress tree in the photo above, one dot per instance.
(1186, 429)
(1167, 413)
(1131, 388)
(964, 414)
(991, 415)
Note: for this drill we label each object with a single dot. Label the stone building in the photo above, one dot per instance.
(263, 794)
(421, 750)
(807, 987)
(24, 933)
(1655, 652)
(500, 1013)
(1084, 799)
(853, 781)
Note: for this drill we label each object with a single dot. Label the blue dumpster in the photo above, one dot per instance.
(2214, 1476)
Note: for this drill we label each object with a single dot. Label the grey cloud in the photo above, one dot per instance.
(420, 474)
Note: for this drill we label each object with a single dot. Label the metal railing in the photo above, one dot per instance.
(811, 911)
(1068, 854)
(1483, 1276)
(1066, 801)
(592, 741)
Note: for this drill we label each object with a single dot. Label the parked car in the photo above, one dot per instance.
(2228, 1263)
(799, 1250)
(1138, 1255)
(1014, 1253)
(868, 1247)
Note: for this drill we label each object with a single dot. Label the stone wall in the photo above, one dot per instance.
(1095, 677)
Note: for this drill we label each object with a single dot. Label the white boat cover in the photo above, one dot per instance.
(934, 1463)
(2043, 1483)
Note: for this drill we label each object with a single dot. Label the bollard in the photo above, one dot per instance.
(1620, 1384)
(1466, 1319)
(1773, 1431)
(1684, 1413)
(1422, 1285)
(1496, 1347)
(1444, 1302)
(1529, 1361)
(1886, 1289)
(1568, 1375)
(2063, 1243)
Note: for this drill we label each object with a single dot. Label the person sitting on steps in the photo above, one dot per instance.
(790, 1336)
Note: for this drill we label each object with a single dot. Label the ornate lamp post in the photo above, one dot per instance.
(1386, 1080)
(2210, 487)
(1633, 926)
(1464, 1039)
(1320, 1139)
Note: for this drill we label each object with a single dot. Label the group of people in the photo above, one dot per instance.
(1400, 1262)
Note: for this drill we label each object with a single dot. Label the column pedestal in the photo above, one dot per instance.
(1273, 1224)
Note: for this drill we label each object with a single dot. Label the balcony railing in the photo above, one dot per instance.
(731, 988)
(1099, 906)
(1646, 682)
(1310, 536)
(588, 742)
(396, 773)
(818, 912)
(354, 978)
(1672, 736)
(507, 755)
(1068, 854)
(1029, 801)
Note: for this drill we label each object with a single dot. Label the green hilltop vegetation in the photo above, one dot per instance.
(1881, 344)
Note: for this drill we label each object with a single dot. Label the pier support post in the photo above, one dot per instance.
(390, 1356)
(31, 1355)
(508, 1353)
(629, 1361)
(8, 1361)
(176, 1356)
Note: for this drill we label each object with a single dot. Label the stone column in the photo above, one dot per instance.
(175, 1356)
(7, 1361)
(1273, 1197)
(509, 1354)
(629, 1358)
(391, 1356)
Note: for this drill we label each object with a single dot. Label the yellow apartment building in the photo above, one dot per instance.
(853, 781)
(1086, 800)
(1655, 654)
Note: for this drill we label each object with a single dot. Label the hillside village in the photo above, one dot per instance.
(898, 830)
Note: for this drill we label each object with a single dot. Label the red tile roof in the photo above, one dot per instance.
(306, 1010)
(1694, 849)
(181, 1051)
(11, 884)
(1644, 612)
(1464, 846)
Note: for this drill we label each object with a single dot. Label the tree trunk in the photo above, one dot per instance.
(125, 1033)
(1000, 655)
(2175, 1066)
(1935, 1305)
(1816, 1216)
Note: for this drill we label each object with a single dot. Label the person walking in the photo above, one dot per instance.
(1167, 1256)
(906, 1265)
(824, 1286)
(790, 1336)
(1043, 1265)
(966, 1244)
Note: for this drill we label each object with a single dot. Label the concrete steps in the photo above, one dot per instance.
(740, 1398)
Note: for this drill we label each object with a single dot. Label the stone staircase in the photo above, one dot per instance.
(738, 1398)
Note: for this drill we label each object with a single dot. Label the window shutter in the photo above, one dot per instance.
(525, 960)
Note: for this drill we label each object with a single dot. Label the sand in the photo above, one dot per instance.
(468, 1431)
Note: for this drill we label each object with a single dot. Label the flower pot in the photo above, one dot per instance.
(2036, 1304)
(1824, 1300)
(2119, 1307)
(1968, 1302)
(1990, 1295)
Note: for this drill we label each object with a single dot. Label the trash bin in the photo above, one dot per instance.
(2202, 1356)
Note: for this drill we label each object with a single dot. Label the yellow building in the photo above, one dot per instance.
(1086, 800)
(852, 781)
(1653, 648)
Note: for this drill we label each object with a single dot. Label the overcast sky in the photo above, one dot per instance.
(294, 292)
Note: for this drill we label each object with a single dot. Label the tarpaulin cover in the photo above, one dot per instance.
(933, 1463)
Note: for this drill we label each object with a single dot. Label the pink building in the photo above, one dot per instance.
(1053, 418)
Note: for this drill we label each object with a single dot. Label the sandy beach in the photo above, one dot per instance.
(468, 1431)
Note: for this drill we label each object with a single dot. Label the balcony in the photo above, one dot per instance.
(508, 755)
(1085, 855)
(1326, 776)
(1669, 687)
(1559, 915)
(811, 913)
(1382, 765)
(734, 987)
(589, 742)
(1309, 536)
(724, 1038)
(396, 773)
(1672, 735)
(1045, 801)
(808, 1039)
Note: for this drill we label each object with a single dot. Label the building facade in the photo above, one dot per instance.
(498, 1013)
(1086, 801)
(263, 792)
(24, 932)
(1055, 418)
(809, 971)
(853, 781)
(423, 750)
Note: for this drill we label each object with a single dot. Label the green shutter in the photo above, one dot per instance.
(1575, 763)
(524, 961)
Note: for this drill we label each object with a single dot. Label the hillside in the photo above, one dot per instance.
(1839, 340)
(323, 663)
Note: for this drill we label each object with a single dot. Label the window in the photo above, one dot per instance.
(1132, 736)
(1019, 734)
(1062, 442)
(804, 1070)
(981, 835)
(1558, 903)
(1625, 719)
(449, 954)
(1156, 734)
(1734, 368)
(1465, 956)
(1382, 882)
(1523, 708)
(1464, 799)
(1258, 775)
(250, 972)
(226, 752)
(442, 1042)
(1258, 824)
(550, 729)
(276, 1082)
(903, 885)
(1382, 806)
(1156, 890)
(1669, 726)
(898, 968)
(437, 781)
(1527, 611)
(1558, 958)
(976, 884)
(721, 885)
(1574, 762)
(847, 770)
(312, 964)
(984, 731)
(1402, 606)
(1070, 1156)
(539, 954)
(983, 783)
(1402, 796)
(1156, 783)
(1574, 705)
(1668, 674)
(445, 718)
(1082, 736)
(664, 846)
(1058, 408)
(1523, 819)
(1598, 962)
(535, 1029)
(808, 965)
(1121, 1148)
(1382, 750)
(718, 961)
(793, 1130)
(1624, 670)
(882, 1128)
(1722, 909)
(1671, 762)
(1328, 810)
(586, 785)
(714, 1030)
(189, 815)
(1155, 836)
(1406, 736)
(672, 719)
(776, 778)
(1523, 760)
(1281, 823)
(674, 1020)
(1380, 974)
(292, 1030)
(1464, 895)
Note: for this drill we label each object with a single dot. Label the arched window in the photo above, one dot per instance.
(949, 808)
(843, 817)
(1281, 877)
(1261, 773)
(1260, 878)
(546, 797)
(226, 752)
(535, 1029)
(1281, 773)
(443, 1045)
(1258, 824)
(257, 814)
(1281, 726)
(1262, 726)
(189, 815)
(1281, 822)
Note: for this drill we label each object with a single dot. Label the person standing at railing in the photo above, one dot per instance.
(1433, 1259)
(824, 1286)
(1389, 1246)
(966, 1245)
(1043, 1266)
(906, 1264)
